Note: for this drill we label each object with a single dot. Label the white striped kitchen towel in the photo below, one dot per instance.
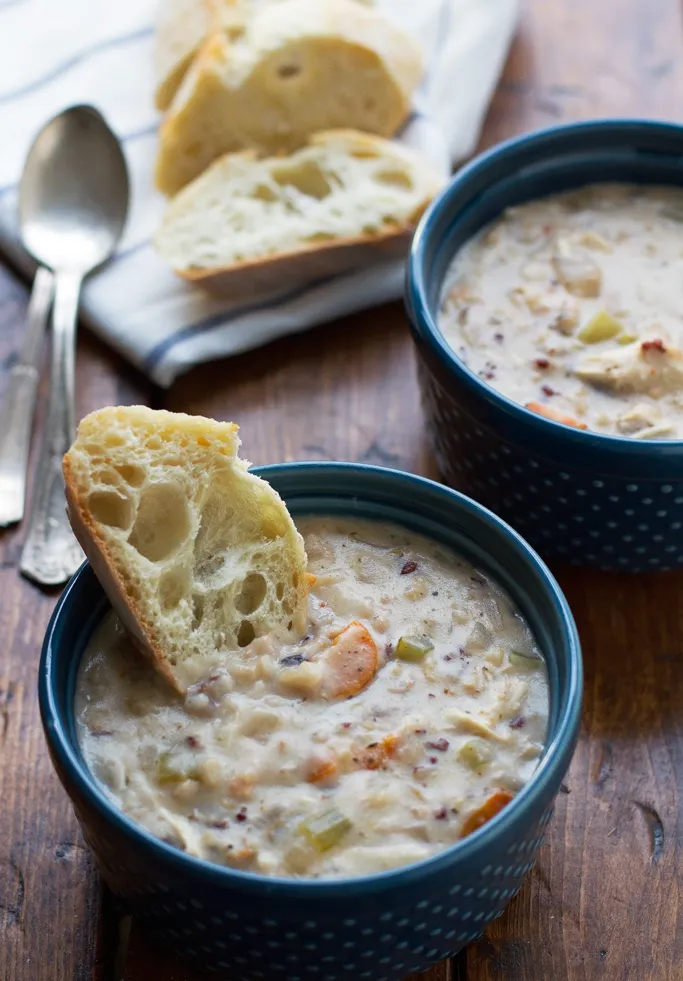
(57, 54)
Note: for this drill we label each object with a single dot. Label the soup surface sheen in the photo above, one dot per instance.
(413, 710)
(571, 305)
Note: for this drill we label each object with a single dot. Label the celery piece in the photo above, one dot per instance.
(602, 327)
(171, 768)
(326, 830)
(625, 339)
(521, 660)
(413, 648)
(475, 753)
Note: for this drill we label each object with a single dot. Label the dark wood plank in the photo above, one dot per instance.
(49, 892)
(344, 391)
(583, 59)
(604, 899)
(603, 902)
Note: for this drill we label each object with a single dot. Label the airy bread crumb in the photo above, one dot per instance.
(299, 67)
(196, 554)
(249, 225)
(182, 26)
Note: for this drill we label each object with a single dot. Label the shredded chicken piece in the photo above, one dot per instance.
(647, 367)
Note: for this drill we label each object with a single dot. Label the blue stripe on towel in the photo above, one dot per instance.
(130, 250)
(139, 134)
(404, 126)
(76, 59)
(162, 349)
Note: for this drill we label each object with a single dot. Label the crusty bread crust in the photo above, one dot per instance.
(181, 28)
(301, 67)
(351, 163)
(127, 610)
(306, 264)
(197, 555)
(183, 25)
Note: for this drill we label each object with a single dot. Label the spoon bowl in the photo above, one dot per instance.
(74, 194)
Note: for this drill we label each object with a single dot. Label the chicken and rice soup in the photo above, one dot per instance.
(571, 305)
(412, 711)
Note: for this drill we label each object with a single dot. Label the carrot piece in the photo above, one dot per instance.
(350, 663)
(321, 769)
(311, 580)
(241, 858)
(242, 786)
(496, 802)
(550, 413)
(374, 757)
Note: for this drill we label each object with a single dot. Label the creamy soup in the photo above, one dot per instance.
(410, 713)
(572, 305)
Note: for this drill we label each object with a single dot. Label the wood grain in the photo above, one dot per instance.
(49, 892)
(604, 899)
(603, 903)
(343, 392)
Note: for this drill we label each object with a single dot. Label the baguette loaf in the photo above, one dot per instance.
(196, 554)
(182, 25)
(301, 66)
(248, 225)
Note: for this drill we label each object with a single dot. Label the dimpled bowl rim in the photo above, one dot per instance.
(425, 326)
(402, 485)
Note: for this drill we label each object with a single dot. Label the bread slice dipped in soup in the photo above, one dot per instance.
(384, 708)
(570, 305)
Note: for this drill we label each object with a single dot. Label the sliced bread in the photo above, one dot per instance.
(300, 66)
(196, 554)
(248, 225)
(182, 25)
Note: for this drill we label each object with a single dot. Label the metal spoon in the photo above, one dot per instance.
(18, 407)
(72, 206)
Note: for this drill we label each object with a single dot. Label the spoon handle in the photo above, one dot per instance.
(51, 554)
(16, 415)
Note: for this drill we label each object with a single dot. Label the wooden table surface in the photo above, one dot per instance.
(603, 901)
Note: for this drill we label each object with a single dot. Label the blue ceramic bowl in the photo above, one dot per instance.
(608, 501)
(377, 927)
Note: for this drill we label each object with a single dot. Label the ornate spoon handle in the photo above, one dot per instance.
(16, 415)
(51, 554)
